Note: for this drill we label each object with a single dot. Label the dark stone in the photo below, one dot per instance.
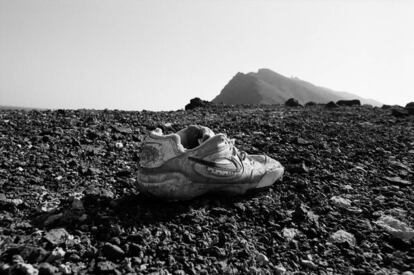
(92, 134)
(197, 103)
(93, 191)
(123, 173)
(302, 141)
(331, 105)
(112, 252)
(122, 130)
(291, 102)
(310, 103)
(4, 269)
(399, 112)
(17, 259)
(105, 267)
(134, 249)
(410, 108)
(47, 269)
(353, 102)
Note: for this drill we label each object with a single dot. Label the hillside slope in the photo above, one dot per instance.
(268, 87)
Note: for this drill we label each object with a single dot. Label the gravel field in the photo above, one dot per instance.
(68, 202)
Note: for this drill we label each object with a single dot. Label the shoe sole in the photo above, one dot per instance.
(176, 186)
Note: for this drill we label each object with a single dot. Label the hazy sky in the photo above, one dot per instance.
(156, 55)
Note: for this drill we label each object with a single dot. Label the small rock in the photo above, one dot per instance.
(309, 264)
(119, 145)
(352, 102)
(106, 267)
(298, 168)
(254, 270)
(65, 269)
(310, 103)
(99, 192)
(289, 233)
(400, 165)
(52, 218)
(219, 211)
(217, 252)
(347, 187)
(341, 236)
(340, 202)
(123, 173)
(134, 249)
(115, 241)
(57, 236)
(410, 108)
(240, 206)
(397, 213)
(291, 102)
(331, 105)
(302, 141)
(57, 254)
(366, 124)
(4, 269)
(23, 269)
(127, 265)
(112, 252)
(397, 180)
(17, 259)
(168, 125)
(197, 103)
(77, 205)
(399, 112)
(280, 269)
(345, 204)
(303, 213)
(91, 171)
(261, 259)
(395, 227)
(5, 201)
(47, 269)
(122, 130)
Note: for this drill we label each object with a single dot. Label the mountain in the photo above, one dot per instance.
(7, 107)
(269, 87)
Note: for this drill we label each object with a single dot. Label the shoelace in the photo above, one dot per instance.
(240, 153)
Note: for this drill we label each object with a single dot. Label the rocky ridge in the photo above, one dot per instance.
(268, 87)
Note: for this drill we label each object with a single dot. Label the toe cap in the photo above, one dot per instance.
(264, 164)
(272, 165)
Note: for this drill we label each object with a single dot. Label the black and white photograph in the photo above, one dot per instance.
(174, 137)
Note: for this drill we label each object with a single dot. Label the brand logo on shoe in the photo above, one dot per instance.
(222, 167)
(221, 172)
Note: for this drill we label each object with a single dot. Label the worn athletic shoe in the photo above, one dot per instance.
(195, 161)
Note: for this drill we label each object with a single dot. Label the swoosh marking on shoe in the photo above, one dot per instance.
(213, 164)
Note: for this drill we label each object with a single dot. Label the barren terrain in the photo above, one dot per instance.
(68, 201)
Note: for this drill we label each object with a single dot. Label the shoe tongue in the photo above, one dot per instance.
(205, 137)
(217, 140)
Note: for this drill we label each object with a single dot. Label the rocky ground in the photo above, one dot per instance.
(345, 206)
